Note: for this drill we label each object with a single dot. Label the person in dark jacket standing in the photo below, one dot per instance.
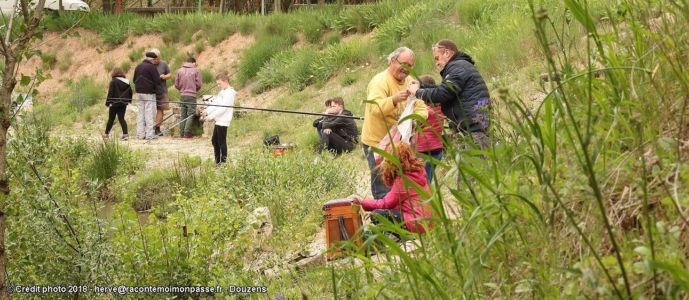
(119, 96)
(462, 95)
(147, 81)
(339, 134)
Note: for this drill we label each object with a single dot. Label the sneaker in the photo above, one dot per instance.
(157, 131)
(125, 137)
(106, 136)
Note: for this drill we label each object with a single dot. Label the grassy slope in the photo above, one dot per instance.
(514, 238)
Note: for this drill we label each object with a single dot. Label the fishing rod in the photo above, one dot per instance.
(122, 100)
(168, 129)
(243, 107)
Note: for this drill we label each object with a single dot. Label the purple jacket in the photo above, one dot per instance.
(188, 80)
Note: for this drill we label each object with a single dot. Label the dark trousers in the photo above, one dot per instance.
(188, 108)
(219, 141)
(394, 216)
(335, 143)
(378, 187)
(119, 112)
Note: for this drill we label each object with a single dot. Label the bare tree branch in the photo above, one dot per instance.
(25, 10)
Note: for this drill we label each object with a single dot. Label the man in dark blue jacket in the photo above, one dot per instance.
(462, 95)
(146, 80)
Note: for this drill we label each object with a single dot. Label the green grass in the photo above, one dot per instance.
(260, 53)
(136, 54)
(305, 66)
(48, 60)
(582, 195)
(207, 76)
(109, 65)
(126, 66)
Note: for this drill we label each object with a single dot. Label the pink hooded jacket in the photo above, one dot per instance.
(410, 203)
(430, 139)
(188, 80)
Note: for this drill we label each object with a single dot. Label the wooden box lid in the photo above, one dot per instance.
(338, 203)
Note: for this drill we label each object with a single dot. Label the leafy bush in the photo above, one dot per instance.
(84, 93)
(48, 60)
(151, 190)
(126, 66)
(389, 34)
(199, 46)
(65, 63)
(108, 159)
(114, 34)
(304, 66)
(247, 24)
(136, 54)
(222, 32)
(259, 53)
(337, 56)
(108, 65)
(207, 76)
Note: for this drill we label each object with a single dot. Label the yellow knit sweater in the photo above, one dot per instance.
(379, 117)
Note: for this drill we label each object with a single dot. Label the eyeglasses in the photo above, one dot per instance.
(404, 64)
(438, 46)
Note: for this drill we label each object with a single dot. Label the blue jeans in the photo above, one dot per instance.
(378, 188)
(430, 167)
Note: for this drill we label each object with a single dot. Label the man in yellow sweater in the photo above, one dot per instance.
(387, 97)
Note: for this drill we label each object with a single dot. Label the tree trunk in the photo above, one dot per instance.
(8, 83)
(107, 6)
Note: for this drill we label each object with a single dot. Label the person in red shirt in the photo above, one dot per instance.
(430, 142)
(402, 204)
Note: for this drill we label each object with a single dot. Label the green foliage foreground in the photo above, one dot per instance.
(583, 196)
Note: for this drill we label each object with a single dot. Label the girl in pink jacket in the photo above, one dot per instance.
(430, 142)
(402, 204)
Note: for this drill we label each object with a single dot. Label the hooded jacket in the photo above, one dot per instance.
(147, 79)
(407, 200)
(222, 115)
(462, 94)
(119, 92)
(188, 80)
(431, 138)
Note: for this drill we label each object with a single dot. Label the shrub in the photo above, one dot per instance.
(389, 34)
(105, 161)
(84, 93)
(136, 54)
(207, 76)
(260, 53)
(65, 63)
(302, 67)
(153, 189)
(48, 60)
(247, 24)
(115, 34)
(109, 65)
(221, 32)
(348, 79)
(337, 56)
(199, 46)
(332, 37)
(126, 66)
